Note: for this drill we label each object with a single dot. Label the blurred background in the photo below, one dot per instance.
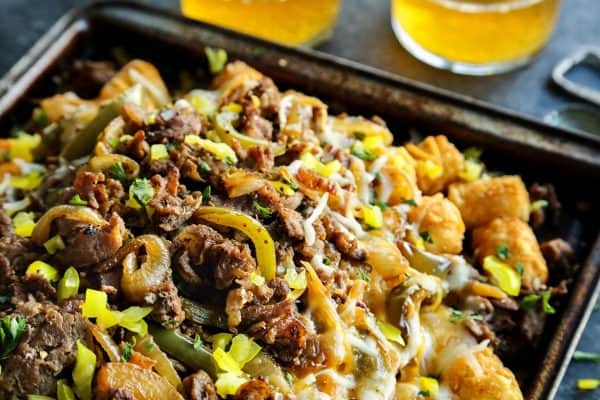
(362, 32)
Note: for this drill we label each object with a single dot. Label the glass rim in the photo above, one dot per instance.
(471, 6)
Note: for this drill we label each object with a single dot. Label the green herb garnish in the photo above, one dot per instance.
(264, 212)
(197, 343)
(520, 268)
(11, 329)
(363, 275)
(472, 154)
(117, 172)
(128, 350)
(546, 306)
(142, 191)
(204, 167)
(410, 202)
(40, 117)
(529, 302)
(77, 201)
(502, 251)
(363, 154)
(426, 237)
(458, 316)
(217, 58)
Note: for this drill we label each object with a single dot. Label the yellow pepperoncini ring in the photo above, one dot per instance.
(263, 243)
(83, 373)
(41, 232)
(227, 133)
(222, 151)
(503, 275)
(132, 318)
(43, 269)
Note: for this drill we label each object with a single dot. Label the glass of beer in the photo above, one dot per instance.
(474, 37)
(291, 22)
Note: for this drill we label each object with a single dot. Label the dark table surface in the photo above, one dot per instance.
(363, 34)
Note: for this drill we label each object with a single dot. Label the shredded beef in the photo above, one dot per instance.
(256, 389)
(47, 346)
(261, 158)
(6, 228)
(166, 305)
(171, 210)
(253, 124)
(558, 253)
(100, 193)
(87, 244)
(174, 125)
(19, 252)
(347, 244)
(199, 386)
(224, 259)
(532, 324)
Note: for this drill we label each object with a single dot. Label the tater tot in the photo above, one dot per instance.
(521, 244)
(438, 163)
(481, 376)
(399, 180)
(483, 200)
(441, 219)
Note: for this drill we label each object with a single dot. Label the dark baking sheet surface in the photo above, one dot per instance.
(513, 143)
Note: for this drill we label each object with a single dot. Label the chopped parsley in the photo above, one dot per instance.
(458, 316)
(363, 154)
(423, 393)
(142, 191)
(217, 58)
(520, 268)
(11, 329)
(229, 160)
(362, 274)
(472, 154)
(502, 251)
(197, 343)
(128, 350)
(117, 172)
(426, 237)
(585, 356)
(327, 260)
(410, 202)
(264, 212)
(77, 201)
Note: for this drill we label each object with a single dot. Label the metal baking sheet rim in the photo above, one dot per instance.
(586, 289)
